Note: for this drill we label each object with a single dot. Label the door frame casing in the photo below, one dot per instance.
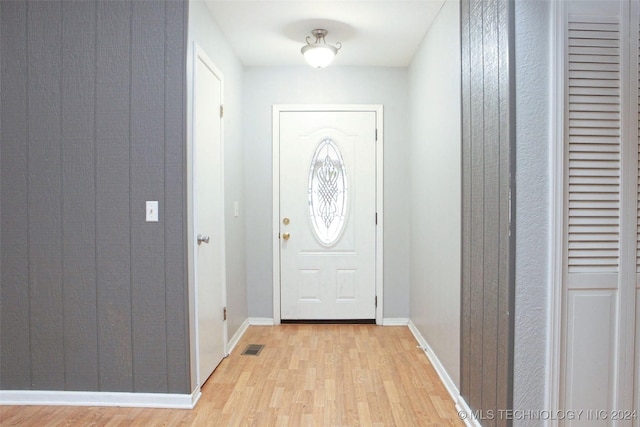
(379, 267)
(557, 206)
(199, 53)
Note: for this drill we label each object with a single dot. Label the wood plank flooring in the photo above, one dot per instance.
(306, 375)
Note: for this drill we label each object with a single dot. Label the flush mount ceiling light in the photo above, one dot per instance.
(319, 54)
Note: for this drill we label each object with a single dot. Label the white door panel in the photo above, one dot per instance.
(328, 197)
(591, 365)
(209, 215)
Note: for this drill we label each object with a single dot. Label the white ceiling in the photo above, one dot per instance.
(372, 32)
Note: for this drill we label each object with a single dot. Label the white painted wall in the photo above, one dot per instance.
(533, 25)
(434, 111)
(265, 86)
(205, 31)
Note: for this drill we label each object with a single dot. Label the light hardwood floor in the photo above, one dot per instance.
(307, 375)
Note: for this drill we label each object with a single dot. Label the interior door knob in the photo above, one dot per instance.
(202, 239)
(286, 236)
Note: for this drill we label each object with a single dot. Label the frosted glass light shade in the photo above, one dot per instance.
(319, 55)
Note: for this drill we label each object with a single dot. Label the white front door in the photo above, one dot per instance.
(209, 215)
(327, 221)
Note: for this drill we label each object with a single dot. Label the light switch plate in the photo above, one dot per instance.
(152, 211)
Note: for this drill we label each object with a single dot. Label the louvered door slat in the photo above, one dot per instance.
(594, 58)
(595, 196)
(585, 245)
(595, 93)
(596, 182)
(592, 115)
(591, 23)
(589, 103)
(606, 224)
(580, 66)
(594, 130)
(602, 237)
(587, 149)
(593, 76)
(592, 35)
(581, 139)
(595, 124)
(601, 204)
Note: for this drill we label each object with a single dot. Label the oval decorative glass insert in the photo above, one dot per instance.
(327, 192)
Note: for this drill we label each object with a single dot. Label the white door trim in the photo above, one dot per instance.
(277, 109)
(200, 54)
(557, 205)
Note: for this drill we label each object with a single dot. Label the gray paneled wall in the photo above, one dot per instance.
(488, 239)
(93, 115)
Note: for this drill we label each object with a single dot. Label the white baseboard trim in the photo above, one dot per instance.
(442, 372)
(236, 337)
(92, 398)
(260, 321)
(464, 412)
(391, 321)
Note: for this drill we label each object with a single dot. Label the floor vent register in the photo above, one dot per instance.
(253, 350)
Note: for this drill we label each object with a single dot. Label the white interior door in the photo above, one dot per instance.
(327, 214)
(601, 211)
(209, 216)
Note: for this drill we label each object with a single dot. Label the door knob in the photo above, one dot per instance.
(202, 239)
(286, 236)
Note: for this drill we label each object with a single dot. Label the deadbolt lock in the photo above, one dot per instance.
(286, 221)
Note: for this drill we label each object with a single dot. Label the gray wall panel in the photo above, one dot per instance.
(15, 369)
(45, 194)
(93, 124)
(476, 206)
(488, 146)
(147, 183)
(175, 206)
(78, 198)
(113, 248)
(465, 303)
(491, 206)
(507, 246)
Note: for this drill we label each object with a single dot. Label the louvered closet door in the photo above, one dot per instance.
(601, 187)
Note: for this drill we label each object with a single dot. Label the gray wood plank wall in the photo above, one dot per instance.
(93, 116)
(488, 239)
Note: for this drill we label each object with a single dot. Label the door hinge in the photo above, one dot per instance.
(376, 134)
(221, 111)
(224, 313)
(376, 218)
(376, 301)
